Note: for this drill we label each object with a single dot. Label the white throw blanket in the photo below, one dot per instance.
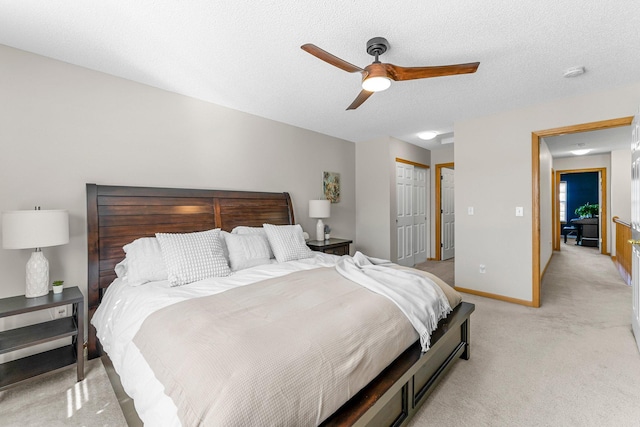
(418, 297)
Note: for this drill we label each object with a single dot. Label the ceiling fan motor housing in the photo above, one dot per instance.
(377, 46)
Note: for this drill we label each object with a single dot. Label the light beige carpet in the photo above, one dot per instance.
(58, 400)
(572, 362)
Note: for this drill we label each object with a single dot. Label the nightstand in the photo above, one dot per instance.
(331, 246)
(48, 361)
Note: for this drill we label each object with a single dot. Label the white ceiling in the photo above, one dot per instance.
(246, 54)
(598, 141)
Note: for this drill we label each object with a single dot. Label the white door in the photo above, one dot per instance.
(404, 209)
(420, 215)
(635, 226)
(447, 213)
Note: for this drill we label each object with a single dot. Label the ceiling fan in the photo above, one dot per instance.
(377, 76)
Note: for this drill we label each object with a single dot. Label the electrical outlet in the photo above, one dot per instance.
(483, 268)
(59, 312)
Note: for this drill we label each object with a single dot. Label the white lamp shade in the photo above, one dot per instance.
(34, 229)
(319, 208)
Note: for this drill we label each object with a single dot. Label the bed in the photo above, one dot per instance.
(118, 215)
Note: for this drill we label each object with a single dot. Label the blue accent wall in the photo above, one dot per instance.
(582, 187)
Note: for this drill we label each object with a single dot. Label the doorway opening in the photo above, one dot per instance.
(598, 184)
(535, 182)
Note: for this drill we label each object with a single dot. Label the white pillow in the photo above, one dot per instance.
(223, 243)
(247, 250)
(241, 229)
(121, 268)
(193, 256)
(144, 261)
(287, 242)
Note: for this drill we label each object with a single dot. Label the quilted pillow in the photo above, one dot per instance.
(247, 250)
(144, 261)
(287, 242)
(193, 256)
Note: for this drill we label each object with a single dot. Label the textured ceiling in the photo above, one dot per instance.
(246, 54)
(598, 141)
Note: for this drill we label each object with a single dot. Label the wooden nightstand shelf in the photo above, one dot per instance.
(14, 339)
(331, 246)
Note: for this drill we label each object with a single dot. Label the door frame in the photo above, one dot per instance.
(535, 184)
(438, 207)
(602, 190)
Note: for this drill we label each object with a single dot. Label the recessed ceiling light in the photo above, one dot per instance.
(426, 136)
(573, 72)
(581, 152)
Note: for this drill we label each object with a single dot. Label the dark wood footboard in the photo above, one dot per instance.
(397, 393)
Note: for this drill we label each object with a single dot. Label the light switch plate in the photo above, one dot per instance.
(519, 211)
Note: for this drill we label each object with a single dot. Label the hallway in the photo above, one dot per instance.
(571, 362)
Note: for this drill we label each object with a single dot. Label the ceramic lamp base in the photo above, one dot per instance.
(37, 275)
(320, 230)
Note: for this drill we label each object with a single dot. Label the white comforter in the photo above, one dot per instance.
(124, 308)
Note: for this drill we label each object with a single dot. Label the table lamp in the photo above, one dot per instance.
(319, 209)
(35, 229)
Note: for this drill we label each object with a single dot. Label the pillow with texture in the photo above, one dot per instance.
(247, 250)
(193, 256)
(144, 261)
(287, 242)
(241, 229)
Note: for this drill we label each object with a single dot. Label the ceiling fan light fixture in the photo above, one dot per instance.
(428, 135)
(376, 84)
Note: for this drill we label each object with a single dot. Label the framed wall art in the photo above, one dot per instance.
(331, 186)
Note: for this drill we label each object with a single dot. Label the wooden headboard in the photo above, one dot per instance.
(118, 215)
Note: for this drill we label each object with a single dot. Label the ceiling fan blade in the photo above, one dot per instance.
(398, 73)
(362, 96)
(329, 58)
